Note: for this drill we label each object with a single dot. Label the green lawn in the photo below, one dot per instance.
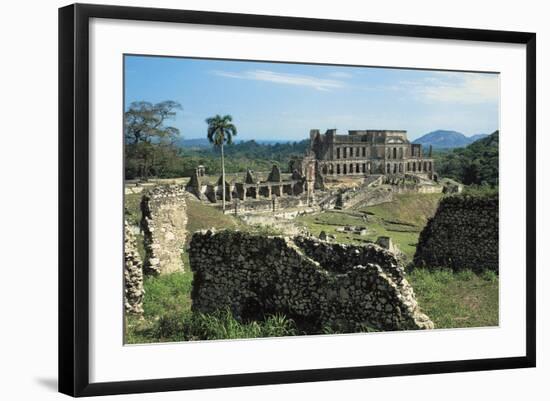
(461, 299)
(402, 220)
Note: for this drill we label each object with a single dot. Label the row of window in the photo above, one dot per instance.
(346, 152)
(358, 168)
(349, 152)
(394, 153)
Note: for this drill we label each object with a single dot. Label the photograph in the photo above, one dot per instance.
(275, 199)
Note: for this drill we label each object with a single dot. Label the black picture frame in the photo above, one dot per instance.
(74, 198)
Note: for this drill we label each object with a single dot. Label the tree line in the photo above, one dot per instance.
(476, 164)
(152, 146)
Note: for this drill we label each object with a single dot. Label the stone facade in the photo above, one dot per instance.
(164, 221)
(366, 152)
(133, 274)
(463, 234)
(250, 187)
(320, 285)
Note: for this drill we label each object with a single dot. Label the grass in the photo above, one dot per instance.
(413, 209)
(201, 216)
(132, 214)
(457, 299)
(132, 210)
(402, 220)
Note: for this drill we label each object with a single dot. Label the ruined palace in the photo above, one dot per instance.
(365, 152)
(375, 157)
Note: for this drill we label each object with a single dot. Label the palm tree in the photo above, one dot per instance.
(220, 132)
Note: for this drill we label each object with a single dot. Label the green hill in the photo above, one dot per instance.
(476, 164)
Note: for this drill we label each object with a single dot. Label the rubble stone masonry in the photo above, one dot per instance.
(463, 234)
(164, 220)
(133, 274)
(320, 285)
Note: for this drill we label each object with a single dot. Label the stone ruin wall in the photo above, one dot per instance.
(365, 196)
(463, 234)
(133, 274)
(164, 221)
(318, 284)
(275, 204)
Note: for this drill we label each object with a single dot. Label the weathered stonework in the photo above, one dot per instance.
(133, 274)
(164, 221)
(320, 285)
(366, 152)
(463, 234)
(366, 196)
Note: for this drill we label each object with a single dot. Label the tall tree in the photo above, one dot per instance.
(220, 132)
(145, 129)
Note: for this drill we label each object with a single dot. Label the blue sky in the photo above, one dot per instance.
(276, 101)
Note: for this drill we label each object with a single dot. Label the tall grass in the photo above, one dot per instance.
(457, 299)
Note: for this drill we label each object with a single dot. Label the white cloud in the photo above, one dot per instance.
(285, 79)
(467, 88)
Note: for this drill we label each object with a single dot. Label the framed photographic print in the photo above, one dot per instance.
(278, 199)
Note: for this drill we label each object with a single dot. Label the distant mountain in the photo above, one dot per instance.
(447, 139)
(194, 143)
(475, 137)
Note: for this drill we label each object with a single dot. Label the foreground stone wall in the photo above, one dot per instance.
(164, 221)
(133, 274)
(318, 284)
(463, 234)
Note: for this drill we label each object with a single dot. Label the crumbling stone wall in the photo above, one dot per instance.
(133, 274)
(164, 221)
(318, 284)
(463, 234)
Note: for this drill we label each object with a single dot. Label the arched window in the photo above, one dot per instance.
(388, 168)
(395, 153)
(345, 169)
(400, 167)
(337, 169)
(414, 167)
